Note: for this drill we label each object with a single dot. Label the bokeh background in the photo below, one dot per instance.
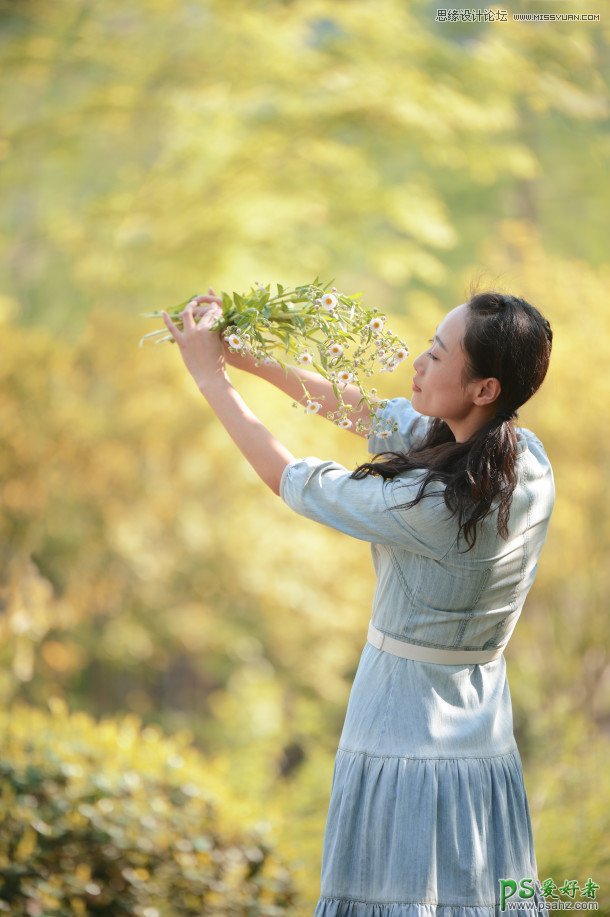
(177, 646)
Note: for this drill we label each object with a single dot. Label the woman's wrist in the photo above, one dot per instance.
(212, 381)
(243, 361)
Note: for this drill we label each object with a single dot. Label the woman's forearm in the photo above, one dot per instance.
(287, 380)
(267, 455)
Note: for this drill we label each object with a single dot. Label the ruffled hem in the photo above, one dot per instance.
(347, 907)
(404, 831)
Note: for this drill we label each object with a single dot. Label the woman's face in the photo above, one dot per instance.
(439, 378)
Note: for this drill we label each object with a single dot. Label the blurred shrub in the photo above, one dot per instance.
(112, 818)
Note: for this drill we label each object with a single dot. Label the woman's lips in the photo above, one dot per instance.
(416, 388)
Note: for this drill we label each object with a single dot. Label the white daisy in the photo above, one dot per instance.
(235, 341)
(346, 422)
(401, 354)
(335, 349)
(305, 357)
(376, 324)
(344, 376)
(329, 301)
(312, 407)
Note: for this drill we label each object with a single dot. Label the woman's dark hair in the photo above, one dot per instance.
(506, 338)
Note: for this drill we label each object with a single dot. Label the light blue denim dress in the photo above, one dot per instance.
(428, 807)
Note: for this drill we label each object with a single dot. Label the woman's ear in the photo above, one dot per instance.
(488, 391)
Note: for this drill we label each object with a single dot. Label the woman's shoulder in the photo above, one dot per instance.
(530, 449)
(411, 426)
(536, 479)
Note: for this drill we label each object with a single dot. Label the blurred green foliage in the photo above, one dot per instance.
(152, 150)
(109, 818)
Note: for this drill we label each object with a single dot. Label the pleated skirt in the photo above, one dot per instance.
(428, 811)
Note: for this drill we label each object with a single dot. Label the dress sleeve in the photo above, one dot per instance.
(412, 427)
(324, 491)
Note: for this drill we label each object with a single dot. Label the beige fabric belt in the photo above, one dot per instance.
(428, 653)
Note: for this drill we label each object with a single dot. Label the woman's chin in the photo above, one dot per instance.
(416, 402)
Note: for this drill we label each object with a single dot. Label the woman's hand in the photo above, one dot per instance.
(202, 348)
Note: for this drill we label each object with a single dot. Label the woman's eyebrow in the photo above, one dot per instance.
(440, 342)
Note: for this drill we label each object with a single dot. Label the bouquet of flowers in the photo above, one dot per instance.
(319, 327)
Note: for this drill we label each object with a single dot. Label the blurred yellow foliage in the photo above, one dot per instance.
(153, 150)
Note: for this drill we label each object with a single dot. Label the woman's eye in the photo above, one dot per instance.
(431, 355)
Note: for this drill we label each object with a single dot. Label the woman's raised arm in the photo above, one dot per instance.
(202, 350)
(287, 380)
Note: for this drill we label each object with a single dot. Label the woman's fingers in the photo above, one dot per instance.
(209, 305)
(171, 327)
(208, 315)
(188, 321)
(207, 300)
(209, 297)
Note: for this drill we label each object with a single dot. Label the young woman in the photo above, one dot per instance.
(428, 812)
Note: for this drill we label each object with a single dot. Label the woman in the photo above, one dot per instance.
(428, 811)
